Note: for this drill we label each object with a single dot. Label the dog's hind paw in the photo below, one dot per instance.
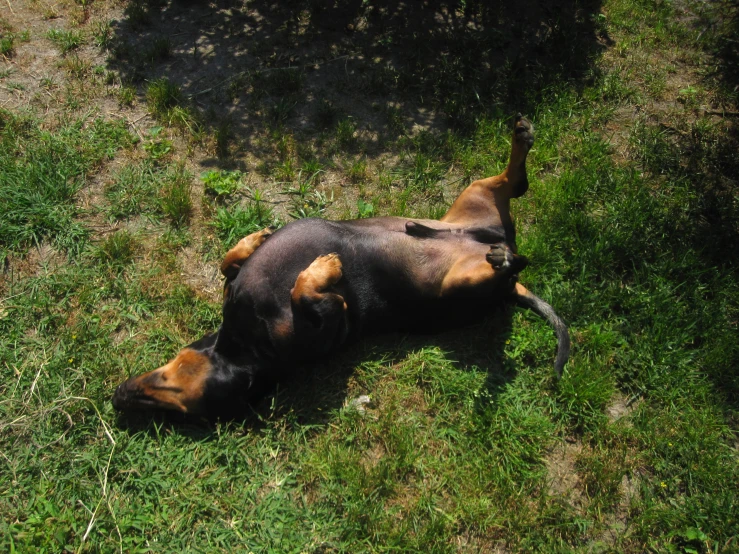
(500, 256)
(523, 132)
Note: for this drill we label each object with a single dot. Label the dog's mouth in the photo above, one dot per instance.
(128, 396)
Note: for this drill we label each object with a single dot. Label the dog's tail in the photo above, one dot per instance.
(529, 300)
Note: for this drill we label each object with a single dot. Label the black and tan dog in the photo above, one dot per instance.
(302, 292)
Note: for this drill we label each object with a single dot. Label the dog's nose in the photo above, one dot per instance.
(120, 396)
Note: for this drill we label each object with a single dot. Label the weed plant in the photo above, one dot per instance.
(7, 44)
(176, 200)
(222, 184)
(236, 222)
(65, 40)
(162, 97)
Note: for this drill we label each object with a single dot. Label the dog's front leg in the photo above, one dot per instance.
(236, 257)
(319, 312)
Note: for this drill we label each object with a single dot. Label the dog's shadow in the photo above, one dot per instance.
(313, 394)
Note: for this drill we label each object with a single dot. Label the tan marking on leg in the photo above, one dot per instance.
(480, 204)
(496, 268)
(319, 276)
(469, 271)
(320, 311)
(235, 257)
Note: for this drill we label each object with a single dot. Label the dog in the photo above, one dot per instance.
(304, 291)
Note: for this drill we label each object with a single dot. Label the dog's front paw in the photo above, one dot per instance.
(327, 270)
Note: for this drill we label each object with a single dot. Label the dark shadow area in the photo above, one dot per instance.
(387, 66)
(708, 157)
(721, 199)
(315, 391)
(726, 50)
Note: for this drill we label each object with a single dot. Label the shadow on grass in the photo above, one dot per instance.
(726, 50)
(307, 65)
(312, 395)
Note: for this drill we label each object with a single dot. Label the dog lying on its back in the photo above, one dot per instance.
(305, 290)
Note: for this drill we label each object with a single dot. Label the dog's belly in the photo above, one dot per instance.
(390, 281)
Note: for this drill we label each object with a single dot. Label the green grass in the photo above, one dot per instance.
(233, 223)
(468, 444)
(148, 189)
(65, 40)
(162, 97)
(176, 199)
(118, 249)
(40, 175)
(7, 44)
(160, 49)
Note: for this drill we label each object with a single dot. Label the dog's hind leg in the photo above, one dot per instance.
(320, 313)
(487, 202)
(236, 257)
(473, 276)
(470, 272)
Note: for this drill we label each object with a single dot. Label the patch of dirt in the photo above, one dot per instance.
(468, 542)
(617, 131)
(566, 483)
(616, 523)
(202, 276)
(38, 260)
(562, 476)
(372, 456)
(621, 408)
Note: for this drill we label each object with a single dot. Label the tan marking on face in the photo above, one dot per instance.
(178, 385)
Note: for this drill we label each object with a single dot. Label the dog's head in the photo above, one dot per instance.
(199, 380)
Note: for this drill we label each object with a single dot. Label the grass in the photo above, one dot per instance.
(118, 249)
(236, 222)
(147, 189)
(65, 40)
(163, 97)
(161, 49)
(468, 444)
(7, 44)
(41, 175)
(176, 200)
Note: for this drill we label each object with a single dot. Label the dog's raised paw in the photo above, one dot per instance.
(523, 132)
(327, 269)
